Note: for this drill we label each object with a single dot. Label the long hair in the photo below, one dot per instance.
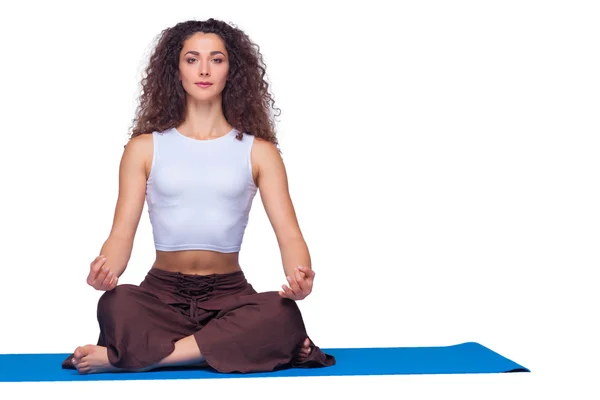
(246, 99)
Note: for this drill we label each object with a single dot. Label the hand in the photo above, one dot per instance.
(300, 285)
(100, 277)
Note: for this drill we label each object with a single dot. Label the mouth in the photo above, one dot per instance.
(203, 84)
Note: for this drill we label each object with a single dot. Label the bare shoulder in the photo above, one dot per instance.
(265, 156)
(139, 150)
(265, 152)
(263, 145)
(141, 142)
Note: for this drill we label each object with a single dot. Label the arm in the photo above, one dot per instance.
(117, 248)
(273, 185)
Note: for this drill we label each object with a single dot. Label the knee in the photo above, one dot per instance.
(281, 311)
(116, 299)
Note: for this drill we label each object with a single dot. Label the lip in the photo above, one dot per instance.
(203, 84)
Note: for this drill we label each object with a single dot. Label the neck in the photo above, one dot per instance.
(204, 119)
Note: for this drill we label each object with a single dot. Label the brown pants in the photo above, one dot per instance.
(236, 328)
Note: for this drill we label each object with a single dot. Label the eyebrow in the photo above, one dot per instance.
(212, 53)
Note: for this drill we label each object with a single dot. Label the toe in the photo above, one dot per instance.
(306, 347)
(86, 350)
(303, 351)
(77, 353)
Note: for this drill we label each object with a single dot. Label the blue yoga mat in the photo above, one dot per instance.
(465, 358)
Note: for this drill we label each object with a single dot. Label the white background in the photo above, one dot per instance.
(443, 159)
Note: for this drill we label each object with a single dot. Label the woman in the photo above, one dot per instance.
(201, 148)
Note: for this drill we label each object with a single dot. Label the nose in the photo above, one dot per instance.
(204, 69)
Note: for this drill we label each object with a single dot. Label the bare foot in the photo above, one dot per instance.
(91, 359)
(304, 351)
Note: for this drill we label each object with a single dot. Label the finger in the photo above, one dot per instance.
(293, 294)
(108, 279)
(306, 285)
(97, 263)
(95, 260)
(303, 283)
(92, 277)
(113, 284)
(307, 271)
(100, 277)
(287, 292)
(302, 274)
(95, 268)
(294, 286)
(93, 271)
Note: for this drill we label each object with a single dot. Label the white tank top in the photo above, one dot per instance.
(199, 192)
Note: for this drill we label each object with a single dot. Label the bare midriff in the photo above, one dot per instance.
(197, 262)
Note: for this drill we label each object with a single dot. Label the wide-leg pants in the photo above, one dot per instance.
(236, 328)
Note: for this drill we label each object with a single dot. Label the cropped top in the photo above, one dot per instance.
(199, 192)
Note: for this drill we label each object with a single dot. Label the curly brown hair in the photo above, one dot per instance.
(246, 99)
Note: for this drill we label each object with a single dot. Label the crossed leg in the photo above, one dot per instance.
(92, 359)
(137, 343)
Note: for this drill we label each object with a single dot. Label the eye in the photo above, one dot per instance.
(189, 59)
(218, 60)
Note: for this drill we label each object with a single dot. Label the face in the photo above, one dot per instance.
(203, 59)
